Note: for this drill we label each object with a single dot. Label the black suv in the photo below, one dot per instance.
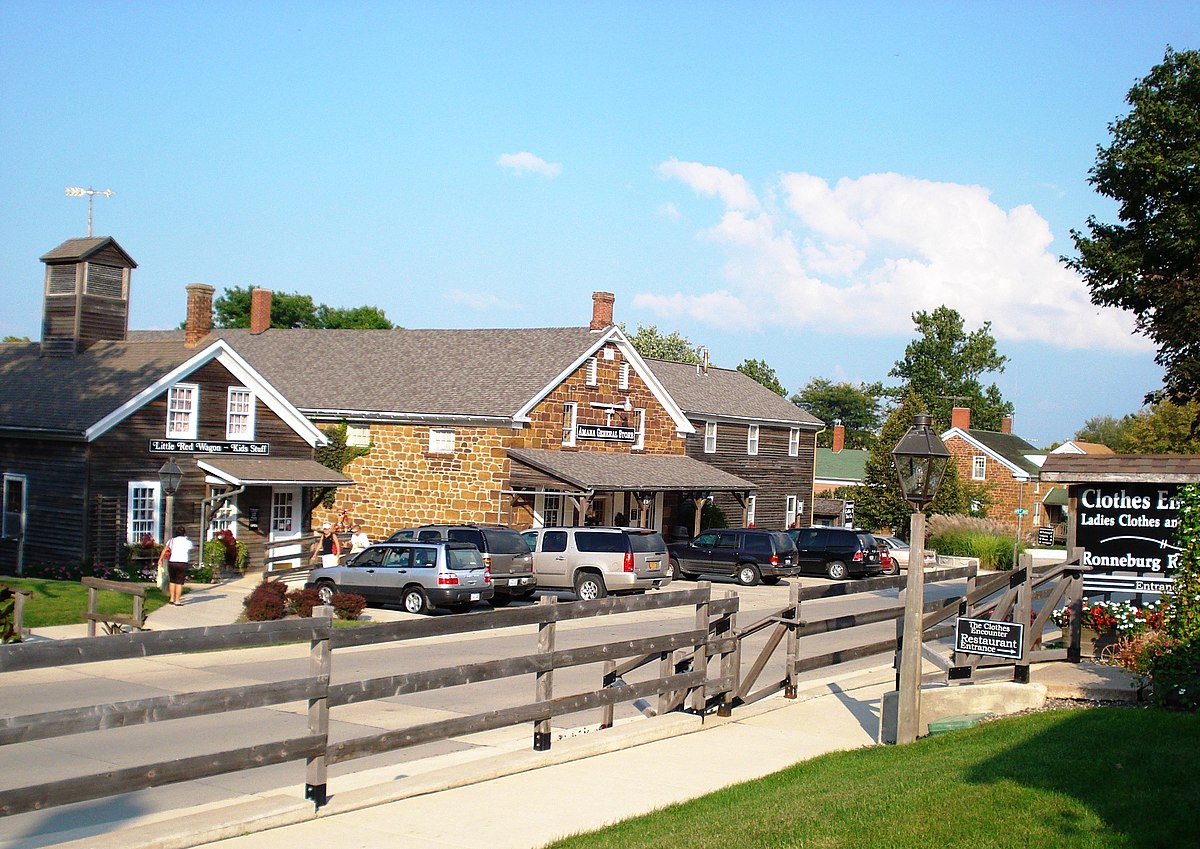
(837, 552)
(504, 551)
(747, 554)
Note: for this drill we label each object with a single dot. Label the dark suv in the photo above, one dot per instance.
(747, 554)
(837, 552)
(504, 551)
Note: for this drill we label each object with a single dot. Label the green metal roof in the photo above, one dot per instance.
(849, 464)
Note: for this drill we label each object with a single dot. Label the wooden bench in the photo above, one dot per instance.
(114, 623)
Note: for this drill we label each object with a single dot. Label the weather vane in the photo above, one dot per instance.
(76, 192)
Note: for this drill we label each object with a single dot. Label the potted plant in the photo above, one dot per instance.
(1103, 623)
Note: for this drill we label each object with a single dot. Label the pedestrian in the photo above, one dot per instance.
(358, 538)
(177, 555)
(328, 546)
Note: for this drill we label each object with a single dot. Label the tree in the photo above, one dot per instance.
(1106, 430)
(879, 501)
(291, 309)
(15, 339)
(943, 368)
(1149, 263)
(759, 371)
(854, 406)
(650, 343)
(1164, 428)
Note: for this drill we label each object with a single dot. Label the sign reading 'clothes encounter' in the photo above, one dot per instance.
(1128, 528)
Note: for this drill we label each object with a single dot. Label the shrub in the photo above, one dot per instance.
(994, 551)
(140, 571)
(302, 602)
(201, 574)
(266, 601)
(8, 615)
(348, 605)
(1177, 670)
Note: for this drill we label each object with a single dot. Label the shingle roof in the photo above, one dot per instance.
(265, 470)
(1122, 468)
(849, 464)
(612, 471)
(68, 395)
(727, 392)
(435, 372)
(1009, 446)
(80, 249)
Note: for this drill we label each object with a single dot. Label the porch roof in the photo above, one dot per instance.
(264, 471)
(604, 471)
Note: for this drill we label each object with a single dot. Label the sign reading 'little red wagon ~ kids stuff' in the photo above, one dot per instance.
(1127, 532)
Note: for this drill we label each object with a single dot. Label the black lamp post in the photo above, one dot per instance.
(921, 459)
(169, 477)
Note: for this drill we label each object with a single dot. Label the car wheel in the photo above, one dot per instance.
(677, 573)
(500, 600)
(462, 607)
(771, 581)
(836, 569)
(747, 575)
(414, 601)
(589, 586)
(326, 591)
(894, 569)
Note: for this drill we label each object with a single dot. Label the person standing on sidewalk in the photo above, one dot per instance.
(358, 539)
(328, 546)
(177, 555)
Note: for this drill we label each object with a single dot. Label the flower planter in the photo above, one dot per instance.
(1091, 642)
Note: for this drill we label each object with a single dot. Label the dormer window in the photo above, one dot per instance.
(183, 410)
(239, 414)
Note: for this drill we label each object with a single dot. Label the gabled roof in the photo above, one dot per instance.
(728, 394)
(1007, 448)
(619, 472)
(848, 465)
(1122, 468)
(78, 250)
(1075, 446)
(84, 396)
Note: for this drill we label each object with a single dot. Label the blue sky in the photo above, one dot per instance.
(780, 181)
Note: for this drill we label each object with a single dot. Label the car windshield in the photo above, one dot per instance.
(501, 541)
(647, 542)
(464, 558)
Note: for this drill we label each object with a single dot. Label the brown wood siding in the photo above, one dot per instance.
(101, 318)
(55, 498)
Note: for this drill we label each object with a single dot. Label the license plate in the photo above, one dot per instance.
(652, 564)
(474, 596)
(787, 561)
(514, 582)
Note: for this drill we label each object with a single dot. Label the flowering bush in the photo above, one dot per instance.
(143, 571)
(1125, 618)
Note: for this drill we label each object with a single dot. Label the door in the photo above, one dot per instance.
(723, 558)
(696, 556)
(285, 526)
(810, 550)
(13, 527)
(550, 560)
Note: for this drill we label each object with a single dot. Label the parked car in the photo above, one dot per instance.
(504, 551)
(899, 550)
(890, 566)
(836, 552)
(597, 561)
(747, 554)
(417, 576)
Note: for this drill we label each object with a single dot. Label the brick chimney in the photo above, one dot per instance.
(199, 313)
(602, 310)
(839, 438)
(260, 310)
(960, 417)
(1006, 425)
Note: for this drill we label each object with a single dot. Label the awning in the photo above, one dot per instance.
(603, 471)
(1056, 497)
(265, 471)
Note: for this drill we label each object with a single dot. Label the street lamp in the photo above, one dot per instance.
(921, 459)
(169, 477)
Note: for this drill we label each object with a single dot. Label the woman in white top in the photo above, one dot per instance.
(358, 539)
(177, 554)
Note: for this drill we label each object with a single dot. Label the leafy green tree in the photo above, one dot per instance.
(1164, 428)
(336, 455)
(855, 406)
(1149, 263)
(759, 371)
(944, 366)
(15, 339)
(291, 309)
(677, 348)
(879, 501)
(1106, 430)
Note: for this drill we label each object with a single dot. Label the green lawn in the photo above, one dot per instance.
(1094, 779)
(63, 602)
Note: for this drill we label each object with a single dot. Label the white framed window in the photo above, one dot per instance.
(547, 509)
(791, 512)
(794, 442)
(710, 437)
(441, 440)
(183, 402)
(751, 504)
(979, 467)
(623, 380)
(141, 514)
(283, 511)
(640, 420)
(570, 416)
(239, 414)
(358, 436)
(752, 440)
(13, 523)
(593, 370)
(225, 516)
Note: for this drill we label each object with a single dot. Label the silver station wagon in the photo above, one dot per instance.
(416, 576)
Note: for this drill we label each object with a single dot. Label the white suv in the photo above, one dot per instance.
(597, 561)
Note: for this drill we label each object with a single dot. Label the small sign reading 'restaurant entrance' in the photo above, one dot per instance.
(983, 636)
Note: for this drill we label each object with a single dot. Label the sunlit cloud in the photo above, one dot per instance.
(668, 211)
(859, 256)
(528, 163)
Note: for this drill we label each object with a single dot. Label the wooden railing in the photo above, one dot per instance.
(114, 623)
(676, 681)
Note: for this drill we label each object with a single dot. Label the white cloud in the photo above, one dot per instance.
(528, 163)
(474, 300)
(668, 211)
(860, 256)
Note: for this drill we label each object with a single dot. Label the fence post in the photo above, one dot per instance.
(610, 677)
(700, 661)
(320, 665)
(1075, 608)
(793, 643)
(544, 686)
(91, 608)
(1022, 615)
(731, 660)
(957, 674)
